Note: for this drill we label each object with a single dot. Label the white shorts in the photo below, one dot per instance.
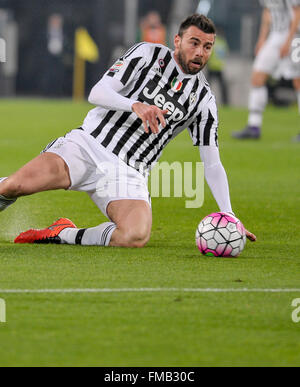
(268, 60)
(100, 173)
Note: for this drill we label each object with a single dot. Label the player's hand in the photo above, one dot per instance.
(251, 236)
(151, 116)
(285, 50)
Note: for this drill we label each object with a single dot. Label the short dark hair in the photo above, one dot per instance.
(200, 21)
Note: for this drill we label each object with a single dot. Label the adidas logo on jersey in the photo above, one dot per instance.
(156, 95)
(158, 71)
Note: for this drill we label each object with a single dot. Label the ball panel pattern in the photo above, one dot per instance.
(221, 235)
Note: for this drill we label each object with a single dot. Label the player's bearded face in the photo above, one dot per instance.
(190, 66)
(193, 50)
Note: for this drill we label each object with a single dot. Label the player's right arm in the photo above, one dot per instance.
(106, 94)
(264, 30)
(151, 116)
(110, 92)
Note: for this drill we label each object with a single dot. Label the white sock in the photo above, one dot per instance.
(5, 202)
(97, 236)
(258, 100)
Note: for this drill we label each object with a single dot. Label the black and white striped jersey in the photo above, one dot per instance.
(151, 75)
(281, 12)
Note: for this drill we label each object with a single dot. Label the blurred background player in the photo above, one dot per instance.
(279, 27)
(152, 29)
(217, 62)
(54, 67)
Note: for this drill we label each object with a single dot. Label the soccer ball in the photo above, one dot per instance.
(221, 235)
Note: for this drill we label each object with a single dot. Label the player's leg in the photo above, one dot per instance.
(46, 172)
(130, 226)
(258, 99)
(266, 63)
(134, 222)
(297, 88)
(119, 191)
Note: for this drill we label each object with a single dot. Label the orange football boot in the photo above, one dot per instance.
(48, 235)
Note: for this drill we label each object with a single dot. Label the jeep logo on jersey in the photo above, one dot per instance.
(154, 94)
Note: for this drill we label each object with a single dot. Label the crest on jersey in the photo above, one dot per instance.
(119, 64)
(193, 98)
(176, 85)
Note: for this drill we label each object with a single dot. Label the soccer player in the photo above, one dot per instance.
(144, 101)
(274, 57)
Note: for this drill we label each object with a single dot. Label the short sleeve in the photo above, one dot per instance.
(204, 130)
(130, 65)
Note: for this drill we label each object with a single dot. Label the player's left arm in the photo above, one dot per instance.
(204, 134)
(286, 48)
(217, 180)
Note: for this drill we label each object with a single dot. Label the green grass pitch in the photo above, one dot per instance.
(154, 328)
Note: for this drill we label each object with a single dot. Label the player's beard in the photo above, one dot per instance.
(185, 65)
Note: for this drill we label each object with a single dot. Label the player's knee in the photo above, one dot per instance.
(12, 188)
(137, 238)
(140, 242)
(259, 79)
